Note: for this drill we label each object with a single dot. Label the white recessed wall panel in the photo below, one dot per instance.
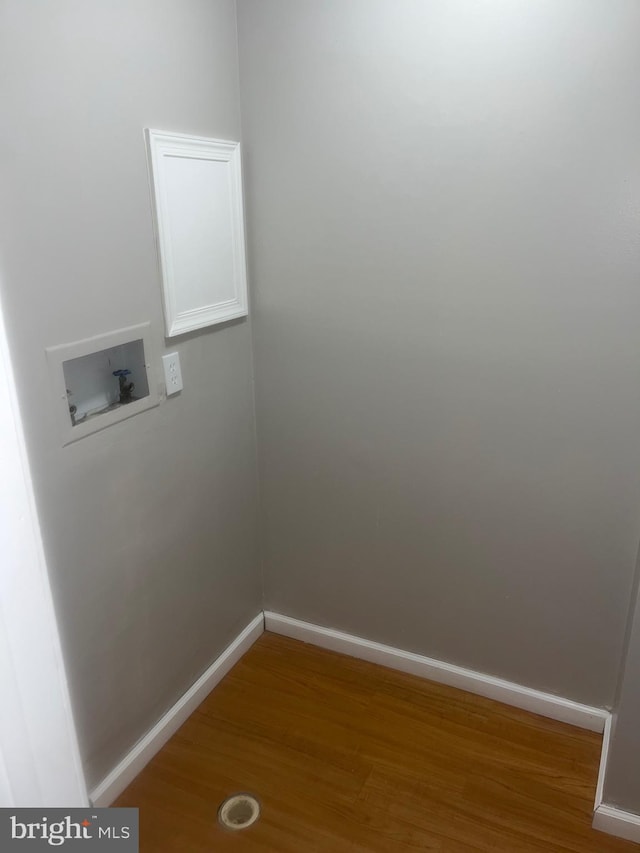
(197, 197)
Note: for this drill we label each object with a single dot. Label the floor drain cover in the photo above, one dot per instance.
(239, 811)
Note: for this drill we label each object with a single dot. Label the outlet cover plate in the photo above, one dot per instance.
(172, 372)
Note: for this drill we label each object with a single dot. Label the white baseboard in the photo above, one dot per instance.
(134, 761)
(617, 822)
(604, 757)
(516, 695)
(607, 818)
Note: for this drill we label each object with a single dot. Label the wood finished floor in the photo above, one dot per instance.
(348, 756)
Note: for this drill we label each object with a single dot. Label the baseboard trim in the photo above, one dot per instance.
(135, 760)
(617, 822)
(608, 818)
(545, 704)
(604, 757)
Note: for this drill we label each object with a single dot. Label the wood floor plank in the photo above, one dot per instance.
(349, 757)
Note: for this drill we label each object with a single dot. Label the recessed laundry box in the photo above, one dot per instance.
(102, 380)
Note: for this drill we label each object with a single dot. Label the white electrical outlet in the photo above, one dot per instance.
(172, 373)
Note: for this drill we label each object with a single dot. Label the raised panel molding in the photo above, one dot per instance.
(196, 192)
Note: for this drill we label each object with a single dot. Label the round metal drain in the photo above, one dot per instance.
(239, 811)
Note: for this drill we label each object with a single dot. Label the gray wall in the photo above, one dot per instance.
(443, 243)
(442, 202)
(150, 526)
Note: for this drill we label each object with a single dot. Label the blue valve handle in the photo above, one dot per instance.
(124, 372)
